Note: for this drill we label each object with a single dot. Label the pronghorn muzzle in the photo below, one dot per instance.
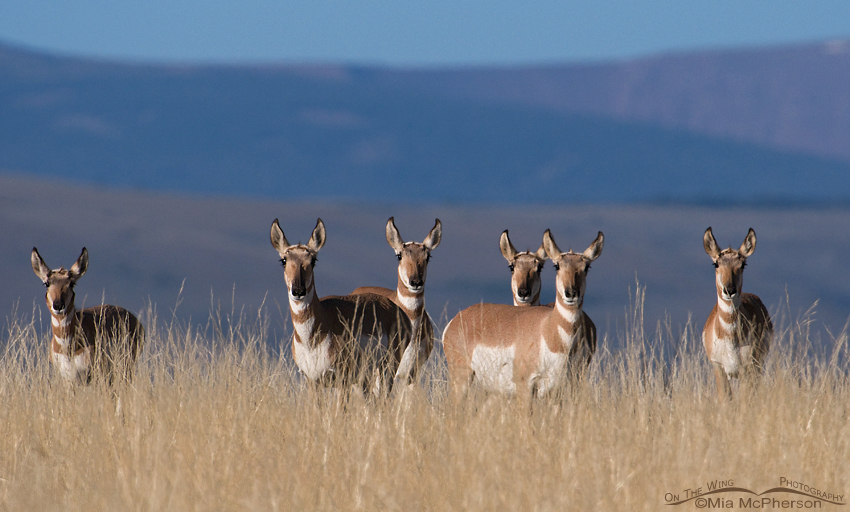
(416, 282)
(298, 287)
(58, 305)
(416, 279)
(572, 294)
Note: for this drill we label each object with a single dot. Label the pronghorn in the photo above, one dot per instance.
(345, 341)
(98, 342)
(738, 331)
(525, 271)
(409, 295)
(525, 350)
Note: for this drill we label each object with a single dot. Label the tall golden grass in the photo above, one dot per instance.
(215, 420)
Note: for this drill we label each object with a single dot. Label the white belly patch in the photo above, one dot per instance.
(494, 368)
(730, 357)
(73, 368)
(551, 369)
(313, 361)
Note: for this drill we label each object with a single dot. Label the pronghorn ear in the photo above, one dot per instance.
(278, 239)
(433, 239)
(749, 245)
(508, 250)
(710, 244)
(39, 266)
(541, 252)
(595, 249)
(317, 239)
(394, 237)
(80, 266)
(550, 246)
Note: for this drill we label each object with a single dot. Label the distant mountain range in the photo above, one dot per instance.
(763, 125)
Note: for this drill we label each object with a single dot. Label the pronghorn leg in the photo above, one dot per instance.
(381, 383)
(525, 395)
(724, 387)
(406, 372)
(750, 378)
(459, 381)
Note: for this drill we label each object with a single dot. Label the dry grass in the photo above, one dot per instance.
(216, 421)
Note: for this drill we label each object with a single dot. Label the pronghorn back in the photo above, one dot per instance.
(490, 342)
(118, 339)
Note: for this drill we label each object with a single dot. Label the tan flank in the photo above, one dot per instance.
(525, 351)
(525, 268)
(98, 342)
(409, 295)
(738, 331)
(344, 341)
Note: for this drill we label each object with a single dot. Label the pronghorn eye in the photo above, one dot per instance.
(313, 261)
(557, 266)
(283, 261)
(744, 264)
(428, 258)
(511, 266)
(399, 256)
(716, 265)
(539, 269)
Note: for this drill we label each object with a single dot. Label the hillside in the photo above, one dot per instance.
(790, 98)
(300, 132)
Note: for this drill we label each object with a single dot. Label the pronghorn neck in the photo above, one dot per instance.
(306, 317)
(730, 305)
(413, 303)
(564, 323)
(728, 312)
(64, 330)
(569, 314)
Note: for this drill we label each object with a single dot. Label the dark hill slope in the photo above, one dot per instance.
(301, 132)
(793, 98)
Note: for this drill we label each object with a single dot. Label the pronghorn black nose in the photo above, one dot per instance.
(571, 293)
(523, 292)
(729, 291)
(299, 291)
(416, 283)
(58, 305)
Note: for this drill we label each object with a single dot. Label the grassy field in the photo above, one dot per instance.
(216, 421)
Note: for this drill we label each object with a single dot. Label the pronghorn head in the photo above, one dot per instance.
(525, 271)
(571, 269)
(729, 264)
(298, 261)
(60, 283)
(413, 257)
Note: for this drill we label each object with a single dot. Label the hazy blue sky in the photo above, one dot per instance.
(404, 32)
